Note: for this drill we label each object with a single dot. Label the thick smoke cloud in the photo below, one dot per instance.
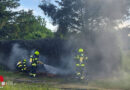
(51, 52)
(17, 54)
(105, 46)
(112, 9)
(12, 56)
(100, 38)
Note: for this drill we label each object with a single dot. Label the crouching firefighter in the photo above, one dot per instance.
(81, 64)
(22, 66)
(34, 62)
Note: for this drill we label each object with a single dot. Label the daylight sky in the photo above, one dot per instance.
(33, 5)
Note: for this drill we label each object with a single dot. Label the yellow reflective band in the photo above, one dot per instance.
(30, 59)
(34, 75)
(82, 77)
(86, 58)
(34, 64)
(78, 73)
(24, 68)
(36, 58)
(19, 63)
(77, 65)
(82, 65)
(81, 59)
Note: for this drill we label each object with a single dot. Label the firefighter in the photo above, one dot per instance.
(34, 62)
(81, 64)
(24, 67)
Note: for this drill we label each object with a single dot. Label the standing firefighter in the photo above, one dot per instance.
(34, 62)
(81, 64)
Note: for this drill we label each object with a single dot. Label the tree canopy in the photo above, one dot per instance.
(5, 10)
(66, 16)
(20, 24)
(85, 15)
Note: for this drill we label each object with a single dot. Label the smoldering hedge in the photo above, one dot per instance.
(50, 49)
(103, 53)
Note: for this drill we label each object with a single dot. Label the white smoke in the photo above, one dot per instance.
(17, 54)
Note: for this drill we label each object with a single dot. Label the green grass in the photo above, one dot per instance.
(56, 83)
(12, 76)
(23, 86)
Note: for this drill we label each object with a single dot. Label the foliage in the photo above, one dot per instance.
(66, 16)
(85, 15)
(5, 11)
(32, 27)
(21, 24)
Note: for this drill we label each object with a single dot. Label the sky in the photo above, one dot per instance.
(33, 5)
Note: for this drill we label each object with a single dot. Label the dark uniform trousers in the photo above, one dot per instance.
(34, 66)
(81, 66)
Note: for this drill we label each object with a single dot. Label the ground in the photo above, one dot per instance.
(20, 81)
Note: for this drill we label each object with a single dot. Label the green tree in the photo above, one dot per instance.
(6, 15)
(85, 15)
(5, 11)
(66, 16)
(32, 27)
(21, 24)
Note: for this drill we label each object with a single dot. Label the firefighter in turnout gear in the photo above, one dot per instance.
(34, 61)
(24, 63)
(81, 64)
(22, 66)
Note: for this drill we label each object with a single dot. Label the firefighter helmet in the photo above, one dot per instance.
(81, 50)
(37, 52)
